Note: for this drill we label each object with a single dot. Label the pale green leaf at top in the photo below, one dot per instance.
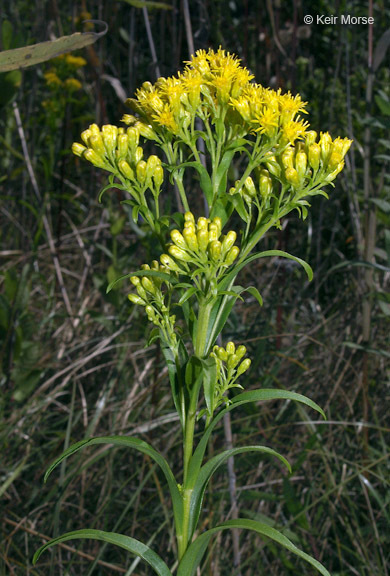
(37, 53)
(130, 544)
(195, 552)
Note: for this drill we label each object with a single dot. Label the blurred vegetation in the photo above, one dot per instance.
(72, 358)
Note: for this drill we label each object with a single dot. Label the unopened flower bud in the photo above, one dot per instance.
(250, 187)
(330, 177)
(123, 143)
(292, 177)
(265, 184)
(151, 313)
(85, 136)
(146, 131)
(230, 348)
(334, 160)
(132, 138)
(243, 367)
(94, 128)
(142, 292)
(141, 171)
(78, 149)
(178, 239)
(179, 254)
(169, 263)
(240, 351)
(135, 280)
(136, 299)
(96, 143)
(128, 119)
(190, 238)
(213, 232)
(232, 255)
(325, 145)
(218, 222)
(203, 223)
(215, 249)
(314, 156)
(203, 239)
(228, 241)
(148, 285)
(273, 166)
(301, 164)
(158, 176)
(189, 217)
(110, 134)
(138, 154)
(94, 158)
(126, 169)
(310, 137)
(221, 353)
(287, 158)
(151, 165)
(233, 360)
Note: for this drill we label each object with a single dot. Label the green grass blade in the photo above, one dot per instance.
(194, 554)
(130, 544)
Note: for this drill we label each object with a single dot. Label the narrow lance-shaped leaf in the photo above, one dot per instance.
(130, 544)
(208, 470)
(195, 552)
(239, 400)
(139, 445)
(37, 53)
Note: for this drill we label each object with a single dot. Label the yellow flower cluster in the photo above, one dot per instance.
(59, 75)
(213, 82)
(200, 247)
(150, 296)
(230, 366)
(117, 151)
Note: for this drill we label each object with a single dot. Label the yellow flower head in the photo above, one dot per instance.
(75, 61)
(166, 119)
(293, 130)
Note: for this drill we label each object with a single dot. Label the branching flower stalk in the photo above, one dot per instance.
(189, 293)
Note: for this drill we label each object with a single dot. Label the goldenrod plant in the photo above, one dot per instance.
(189, 293)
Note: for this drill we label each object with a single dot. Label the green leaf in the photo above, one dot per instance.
(130, 544)
(139, 445)
(239, 400)
(200, 481)
(194, 554)
(254, 291)
(37, 53)
(209, 382)
(359, 263)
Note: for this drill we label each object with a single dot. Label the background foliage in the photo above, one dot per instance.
(72, 358)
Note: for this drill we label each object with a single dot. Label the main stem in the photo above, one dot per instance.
(200, 349)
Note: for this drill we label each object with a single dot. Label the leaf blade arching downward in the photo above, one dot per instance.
(211, 466)
(130, 544)
(196, 550)
(139, 445)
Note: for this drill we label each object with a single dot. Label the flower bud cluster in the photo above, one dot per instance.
(153, 299)
(200, 247)
(230, 366)
(309, 161)
(116, 150)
